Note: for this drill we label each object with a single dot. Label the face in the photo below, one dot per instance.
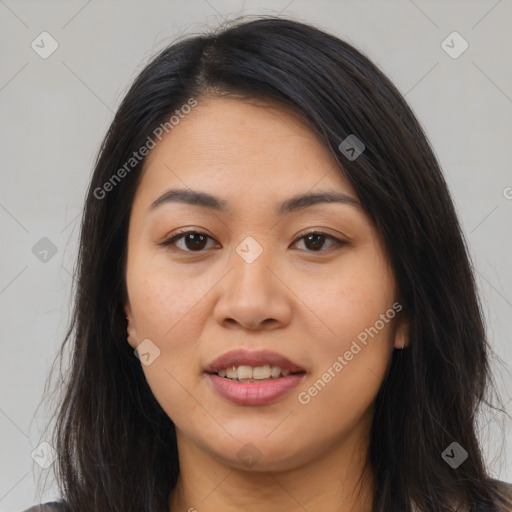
(299, 287)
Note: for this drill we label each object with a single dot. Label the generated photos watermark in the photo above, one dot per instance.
(138, 156)
(304, 397)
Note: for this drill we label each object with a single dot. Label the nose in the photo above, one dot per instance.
(253, 296)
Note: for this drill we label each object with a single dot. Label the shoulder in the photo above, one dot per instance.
(54, 506)
(504, 489)
(505, 486)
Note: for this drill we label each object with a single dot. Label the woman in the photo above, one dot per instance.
(275, 309)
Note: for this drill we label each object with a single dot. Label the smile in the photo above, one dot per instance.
(246, 373)
(253, 377)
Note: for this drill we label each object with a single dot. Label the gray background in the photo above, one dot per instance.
(55, 111)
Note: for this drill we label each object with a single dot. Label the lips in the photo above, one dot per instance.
(245, 358)
(254, 392)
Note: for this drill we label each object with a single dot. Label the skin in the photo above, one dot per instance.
(306, 304)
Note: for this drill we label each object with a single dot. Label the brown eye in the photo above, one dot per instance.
(195, 241)
(315, 241)
(191, 241)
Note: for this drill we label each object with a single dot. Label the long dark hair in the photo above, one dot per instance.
(116, 446)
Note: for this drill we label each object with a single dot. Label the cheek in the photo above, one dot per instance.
(355, 350)
(167, 313)
(165, 301)
(348, 371)
(353, 301)
(170, 308)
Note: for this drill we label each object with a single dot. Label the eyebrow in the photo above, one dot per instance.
(295, 203)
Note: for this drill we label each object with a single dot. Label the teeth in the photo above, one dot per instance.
(246, 373)
(275, 371)
(260, 372)
(231, 373)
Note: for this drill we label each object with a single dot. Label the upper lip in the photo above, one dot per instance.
(256, 358)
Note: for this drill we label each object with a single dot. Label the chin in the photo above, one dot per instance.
(260, 452)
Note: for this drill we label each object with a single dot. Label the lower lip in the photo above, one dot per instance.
(255, 393)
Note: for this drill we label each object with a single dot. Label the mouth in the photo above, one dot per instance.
(246, 373)
(253, 378)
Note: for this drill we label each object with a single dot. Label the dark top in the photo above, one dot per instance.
(54, 506)
(60, 506)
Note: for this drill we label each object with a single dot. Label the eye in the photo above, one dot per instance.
(196, 241)
(193, 241)
(315, 240)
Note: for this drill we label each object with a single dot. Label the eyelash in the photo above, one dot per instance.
(181, 234)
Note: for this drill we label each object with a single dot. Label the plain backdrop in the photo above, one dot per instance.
(56, 110)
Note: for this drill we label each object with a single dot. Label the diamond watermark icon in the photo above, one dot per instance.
(249, 454)
(454, 455)
(351, 147)
(147, 352)
(454, 45)
(44, 45)
(44, 455)
(249, 249)
(44, 250)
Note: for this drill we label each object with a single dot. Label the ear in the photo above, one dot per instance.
(132, 336)
(402, 330)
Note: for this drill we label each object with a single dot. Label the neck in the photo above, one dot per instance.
(334, 481)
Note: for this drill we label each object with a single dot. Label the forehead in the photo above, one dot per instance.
(234, 147)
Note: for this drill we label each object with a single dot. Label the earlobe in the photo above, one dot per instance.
(130, 330)
(128, 311)
(401, 334)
